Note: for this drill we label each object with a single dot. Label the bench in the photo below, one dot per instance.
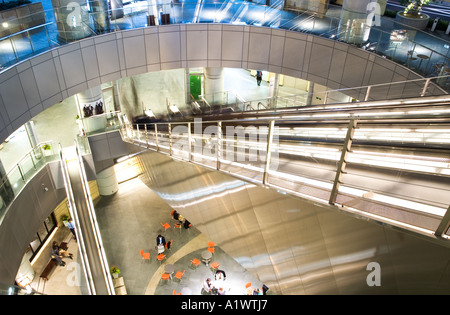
(48, 270)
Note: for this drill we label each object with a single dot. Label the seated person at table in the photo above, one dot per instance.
(160, 240)
(176, 215)
(220, 275)
(207, 285)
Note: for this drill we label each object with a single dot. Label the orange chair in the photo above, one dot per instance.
(179, 274)
(175, 292)
(248, 287)
(171, 213)
(165, 226)
(178, 226)
(211, 247)
(168, 245)
(145, 256)
(161, 257)
(195, 262)
(215, 265)
(165, 277)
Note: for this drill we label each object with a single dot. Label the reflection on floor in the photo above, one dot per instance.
(129, 221)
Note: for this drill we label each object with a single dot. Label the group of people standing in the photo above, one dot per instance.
(89, 110)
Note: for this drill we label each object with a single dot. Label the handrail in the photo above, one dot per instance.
(95, 228)
(74, 214)
(26, 30)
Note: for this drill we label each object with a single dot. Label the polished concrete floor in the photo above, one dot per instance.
(130, 220)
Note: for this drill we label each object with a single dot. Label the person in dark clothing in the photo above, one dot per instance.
(55, 255)
(160, 240)
(258, 77)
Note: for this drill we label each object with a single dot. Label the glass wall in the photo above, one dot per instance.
(41, 236)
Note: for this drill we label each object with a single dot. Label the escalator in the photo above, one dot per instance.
(93, 258)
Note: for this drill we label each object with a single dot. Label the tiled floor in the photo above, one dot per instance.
(129, 221)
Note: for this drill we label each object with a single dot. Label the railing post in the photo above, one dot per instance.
(325, 98)
(219, 145)
(269, 151)
(343, 161)
(425, 87)
(366, 98)
(189, 143)
(444, 225)
(156, 137)
(146, 136)
(20, 171)
(170, 138)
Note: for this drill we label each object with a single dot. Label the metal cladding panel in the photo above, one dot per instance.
(293, 245)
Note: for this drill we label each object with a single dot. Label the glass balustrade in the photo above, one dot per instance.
(418, 50)
(405, 174)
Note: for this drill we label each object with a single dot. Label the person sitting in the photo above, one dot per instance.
(63, 253)
(55, 255)
(207, 286)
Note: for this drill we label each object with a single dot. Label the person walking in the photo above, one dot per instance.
(258, 77)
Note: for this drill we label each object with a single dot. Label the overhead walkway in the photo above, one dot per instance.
(32, 41)
(91, 250)
(387, 161)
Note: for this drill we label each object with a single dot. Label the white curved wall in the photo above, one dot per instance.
(42, 81)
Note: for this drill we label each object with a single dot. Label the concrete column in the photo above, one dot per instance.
(117, 9)
(187, 85)
(99, 10)
(273, 89)
(90, 98)
(31, 132)
(214, 85)
(107, 182)
(309, 99)
(355, 21)
(72, 20)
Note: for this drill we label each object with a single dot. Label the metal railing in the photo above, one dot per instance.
(307, 159)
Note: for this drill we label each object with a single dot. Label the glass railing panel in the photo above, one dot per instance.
(180, 141)
(27, 166)
(7, 53)
(23, 171)
(428, 59)
(40, 40)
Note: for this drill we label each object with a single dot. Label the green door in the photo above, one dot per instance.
(196, 86)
